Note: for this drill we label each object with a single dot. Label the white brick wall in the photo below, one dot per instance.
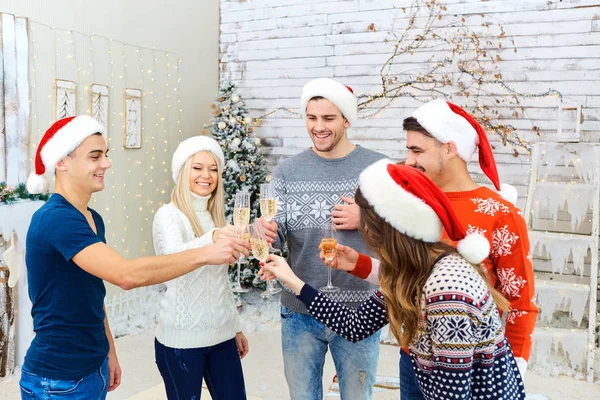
(270, 48)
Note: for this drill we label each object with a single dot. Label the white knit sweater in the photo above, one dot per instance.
(198, 309)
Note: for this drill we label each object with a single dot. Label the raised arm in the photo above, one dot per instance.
(354, 325)
(104, 262)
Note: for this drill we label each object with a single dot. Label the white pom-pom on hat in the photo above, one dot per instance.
(508, 193)
(474, 248)
(37, 184)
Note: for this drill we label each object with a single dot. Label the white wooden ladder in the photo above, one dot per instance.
(560, 284)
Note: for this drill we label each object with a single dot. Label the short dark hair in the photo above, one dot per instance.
(411, 124)
(323, 98)
(73, 151)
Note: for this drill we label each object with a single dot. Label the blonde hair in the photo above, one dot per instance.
(182, 199)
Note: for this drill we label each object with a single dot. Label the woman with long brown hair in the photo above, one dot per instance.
(435, 297)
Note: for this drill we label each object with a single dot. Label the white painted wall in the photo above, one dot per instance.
(139, 180)
(271, 48)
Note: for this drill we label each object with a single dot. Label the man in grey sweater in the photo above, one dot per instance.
(310, 186)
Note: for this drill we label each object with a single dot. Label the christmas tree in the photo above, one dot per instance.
(245, 168)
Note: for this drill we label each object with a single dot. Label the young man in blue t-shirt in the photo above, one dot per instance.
(67, 260)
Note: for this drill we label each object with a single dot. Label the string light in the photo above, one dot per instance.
(259, 119)
(136, 206)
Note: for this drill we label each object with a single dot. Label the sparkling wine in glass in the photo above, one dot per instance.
(328, 246)
(241, 209)
(268, 202)
(258, 242)
(260, 250)
(268, 210)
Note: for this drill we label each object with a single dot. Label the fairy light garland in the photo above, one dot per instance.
(64, 52)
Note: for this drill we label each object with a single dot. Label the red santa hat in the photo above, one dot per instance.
(58, 142)
(410, 202)
(341, 96)
(194, 145)
(448, 122)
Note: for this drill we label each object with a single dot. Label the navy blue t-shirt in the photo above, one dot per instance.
(67, 302)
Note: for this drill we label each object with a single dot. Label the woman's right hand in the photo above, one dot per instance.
(345, 258)
(226, 231)
(277, 267)
(226, 251)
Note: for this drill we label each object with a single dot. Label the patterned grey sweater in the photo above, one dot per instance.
(308, 186)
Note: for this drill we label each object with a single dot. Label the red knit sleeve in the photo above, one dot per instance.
(513, 266)
(363, 266)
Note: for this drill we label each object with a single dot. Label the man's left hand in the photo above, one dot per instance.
(346, 217)
(270, 229)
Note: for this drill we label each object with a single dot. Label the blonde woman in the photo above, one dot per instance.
(198, 334)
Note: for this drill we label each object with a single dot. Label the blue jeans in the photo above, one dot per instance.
(182, 371)
(91, 387)
(305, 341)
(409, 387)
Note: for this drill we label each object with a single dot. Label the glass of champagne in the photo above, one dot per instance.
(328, 246)
(241, 209)
(268, 210)
(260, 247)
(268, 202)
(241, 220)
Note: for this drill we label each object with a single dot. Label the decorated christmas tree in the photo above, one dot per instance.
(245, 167)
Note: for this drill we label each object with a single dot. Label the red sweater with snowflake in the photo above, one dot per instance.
(509, 265)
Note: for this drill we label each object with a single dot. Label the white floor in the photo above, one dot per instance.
(263, 371)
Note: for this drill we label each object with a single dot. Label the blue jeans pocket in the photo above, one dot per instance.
(63, 386)
(286, 312)
(26, 394)
(27, 384)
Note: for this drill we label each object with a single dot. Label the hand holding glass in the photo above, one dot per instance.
(328, 246)
(260, 250)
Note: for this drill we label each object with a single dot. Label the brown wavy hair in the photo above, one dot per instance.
(406, 264)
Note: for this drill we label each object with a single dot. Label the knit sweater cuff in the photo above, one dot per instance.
(307, 295)
(363, 266)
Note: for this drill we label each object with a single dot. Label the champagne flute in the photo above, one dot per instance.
(241, 219)
(268, 201)
(241, 209)
(328, 246)
(241, 233)
(268, 210)
(260, 249)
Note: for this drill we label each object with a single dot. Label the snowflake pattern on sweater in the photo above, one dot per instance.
(461, 351)
(509, 265)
